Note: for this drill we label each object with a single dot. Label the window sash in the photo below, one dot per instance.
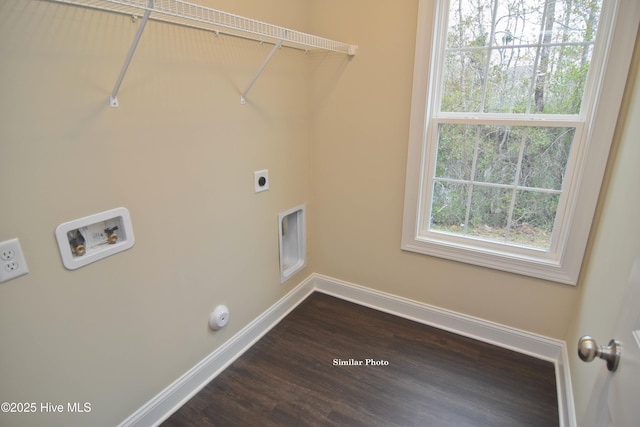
(442, 34)
(425, 231)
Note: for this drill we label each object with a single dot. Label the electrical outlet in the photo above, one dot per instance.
(12, 266)
(261, 180)
(12, 262)
(7, 254)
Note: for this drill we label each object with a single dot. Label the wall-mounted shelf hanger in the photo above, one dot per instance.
(205, 18)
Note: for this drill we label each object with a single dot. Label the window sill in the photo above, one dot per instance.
(532, 263)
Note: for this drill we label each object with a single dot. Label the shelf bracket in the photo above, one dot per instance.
(192, 15)
(243, 97)
(113, 98)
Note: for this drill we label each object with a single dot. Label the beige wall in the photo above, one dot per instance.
(179, 153)
(359, 160)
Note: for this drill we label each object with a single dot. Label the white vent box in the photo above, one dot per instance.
(293, 242)
(94, 237)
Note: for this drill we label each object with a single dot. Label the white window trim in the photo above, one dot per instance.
(564, 265)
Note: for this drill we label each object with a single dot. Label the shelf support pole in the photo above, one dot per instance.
(113, 98)
(243, 99)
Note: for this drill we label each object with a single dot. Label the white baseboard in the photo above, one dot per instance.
(175, 395)
(184, 388)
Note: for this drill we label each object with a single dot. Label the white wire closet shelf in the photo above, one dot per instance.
(205, 18)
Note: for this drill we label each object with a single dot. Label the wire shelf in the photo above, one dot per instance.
(201, 17)
(196, 16)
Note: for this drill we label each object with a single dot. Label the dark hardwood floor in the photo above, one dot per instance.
(295, 376)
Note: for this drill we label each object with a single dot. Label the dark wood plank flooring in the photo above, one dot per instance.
(429, 377)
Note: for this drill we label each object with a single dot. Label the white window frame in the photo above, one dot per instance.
(562, 262)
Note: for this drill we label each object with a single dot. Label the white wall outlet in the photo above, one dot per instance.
(12, 262)
(261, 180)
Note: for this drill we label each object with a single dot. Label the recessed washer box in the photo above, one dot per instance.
(94, 237)
(293, 242)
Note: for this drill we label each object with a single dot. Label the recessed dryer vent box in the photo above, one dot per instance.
(293, 242)
(94, 237)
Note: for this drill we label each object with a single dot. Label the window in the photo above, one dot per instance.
(513, 113)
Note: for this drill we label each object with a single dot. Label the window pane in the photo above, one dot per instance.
(560, 84)
(542, 164)
(509, 82)
(469, 21)
(489, 213)
(455, 151)
(518, 22)
(464, 77)
(498, 153)
(536, 155)
(533, 219)
(534, 58)
(449, 207)
(545, 157)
